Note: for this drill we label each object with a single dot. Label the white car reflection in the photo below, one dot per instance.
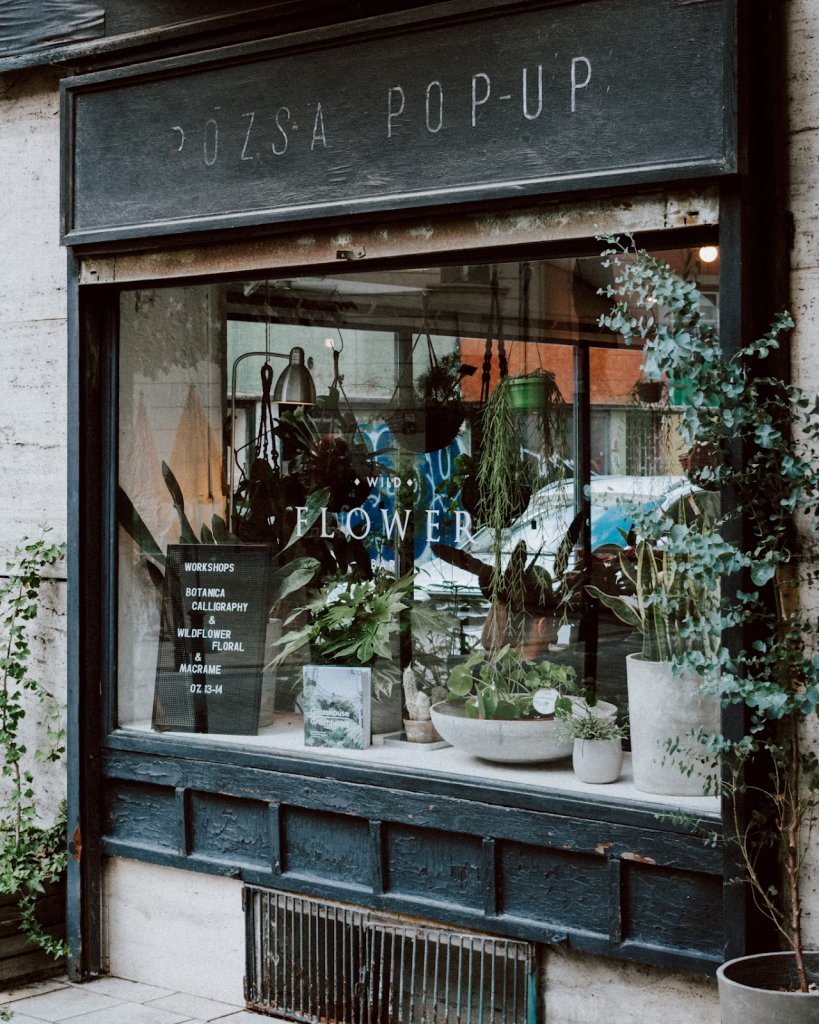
(545, 522)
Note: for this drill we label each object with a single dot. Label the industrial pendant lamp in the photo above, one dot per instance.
(295, 386)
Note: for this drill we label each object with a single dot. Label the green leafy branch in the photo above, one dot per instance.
(30, 856)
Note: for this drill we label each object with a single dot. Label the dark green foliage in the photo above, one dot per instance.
(30, 855)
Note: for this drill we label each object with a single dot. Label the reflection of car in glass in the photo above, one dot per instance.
(546, 520)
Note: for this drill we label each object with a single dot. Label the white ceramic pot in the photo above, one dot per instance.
(597, 762)
(750, 990)
(497, 740)
(665, 707)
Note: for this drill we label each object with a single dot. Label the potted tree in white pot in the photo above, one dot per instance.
(665, 703)
(741, 403)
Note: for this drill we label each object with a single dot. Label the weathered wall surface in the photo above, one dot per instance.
(33, 366)
(175, 929)
(803, 100)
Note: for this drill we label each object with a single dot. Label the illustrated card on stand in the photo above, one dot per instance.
(337, 706)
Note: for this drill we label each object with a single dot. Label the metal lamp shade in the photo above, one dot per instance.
(295, 386)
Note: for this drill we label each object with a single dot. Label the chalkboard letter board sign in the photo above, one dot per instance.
(457, 102)
(211, 644)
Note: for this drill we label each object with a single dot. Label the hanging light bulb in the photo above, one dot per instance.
(708, 253)
(295, 386)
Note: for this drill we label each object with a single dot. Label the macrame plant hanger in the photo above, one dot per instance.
(494, 330)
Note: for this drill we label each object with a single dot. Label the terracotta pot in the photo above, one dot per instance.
(421, 732)
(750, 990)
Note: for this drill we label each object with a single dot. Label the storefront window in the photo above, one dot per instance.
(343, 497)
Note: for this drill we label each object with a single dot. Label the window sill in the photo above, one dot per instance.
(285, 737)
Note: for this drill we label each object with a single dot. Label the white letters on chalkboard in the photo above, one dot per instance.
(430, 87)
(181, 131)
(394, 113)
(211, 150)
(245, 154)
(526, 114)
(579, 85)
(318, 130)
(283, 150)
(475, 101)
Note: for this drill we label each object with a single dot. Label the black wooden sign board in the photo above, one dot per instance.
(476, 101)
(212, 639)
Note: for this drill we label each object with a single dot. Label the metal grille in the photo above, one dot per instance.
(315, 960)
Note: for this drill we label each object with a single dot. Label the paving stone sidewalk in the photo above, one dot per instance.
(116, 1001)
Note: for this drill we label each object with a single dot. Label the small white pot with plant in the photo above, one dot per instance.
(597, 755)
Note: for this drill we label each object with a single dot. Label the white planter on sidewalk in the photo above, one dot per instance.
(597, 762)
(665, 707)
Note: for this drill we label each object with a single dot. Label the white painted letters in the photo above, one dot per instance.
(245, 154)
(391, 525)
(318, 130)
(526, 114)
(430, 87)
(324, 534)
(283, 150)
(475, 101)
(391, 114)
(579, 85)
(366, 533)
(432, 525)
(211, 142)
(299, 510)
(463, 526)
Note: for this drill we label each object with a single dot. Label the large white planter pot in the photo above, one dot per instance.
(663, 706)
(749, 990)
(597, 762)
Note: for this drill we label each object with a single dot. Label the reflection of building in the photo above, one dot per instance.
(192, 241)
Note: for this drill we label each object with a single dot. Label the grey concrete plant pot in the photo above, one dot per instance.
(597, 762)
(750, 990)
(663, 706)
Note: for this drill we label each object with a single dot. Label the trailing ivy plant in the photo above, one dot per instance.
(763, 433)
(31, 855)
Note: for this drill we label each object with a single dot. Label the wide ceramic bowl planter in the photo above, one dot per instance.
(663, 706)
(749, 990)
(598, 762)
(500, 740)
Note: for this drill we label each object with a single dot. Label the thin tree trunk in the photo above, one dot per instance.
(793, 862)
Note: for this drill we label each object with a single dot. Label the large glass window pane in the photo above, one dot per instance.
(340, 496)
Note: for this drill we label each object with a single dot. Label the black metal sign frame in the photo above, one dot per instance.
(456, 103)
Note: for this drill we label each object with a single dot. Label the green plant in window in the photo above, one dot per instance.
(741, 403)
(503, 685)
(31, 855)
(349, 621)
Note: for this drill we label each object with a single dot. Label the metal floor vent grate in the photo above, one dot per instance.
(315, 960)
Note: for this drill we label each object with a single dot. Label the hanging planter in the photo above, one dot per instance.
(700, 457)
(649, 392)
(433, 417)
(532, 392)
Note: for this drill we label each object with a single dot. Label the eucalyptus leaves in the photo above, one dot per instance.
(764, 436)
(30, 855)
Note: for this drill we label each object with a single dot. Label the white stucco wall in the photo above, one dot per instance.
(33, 367)
(175, 929)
